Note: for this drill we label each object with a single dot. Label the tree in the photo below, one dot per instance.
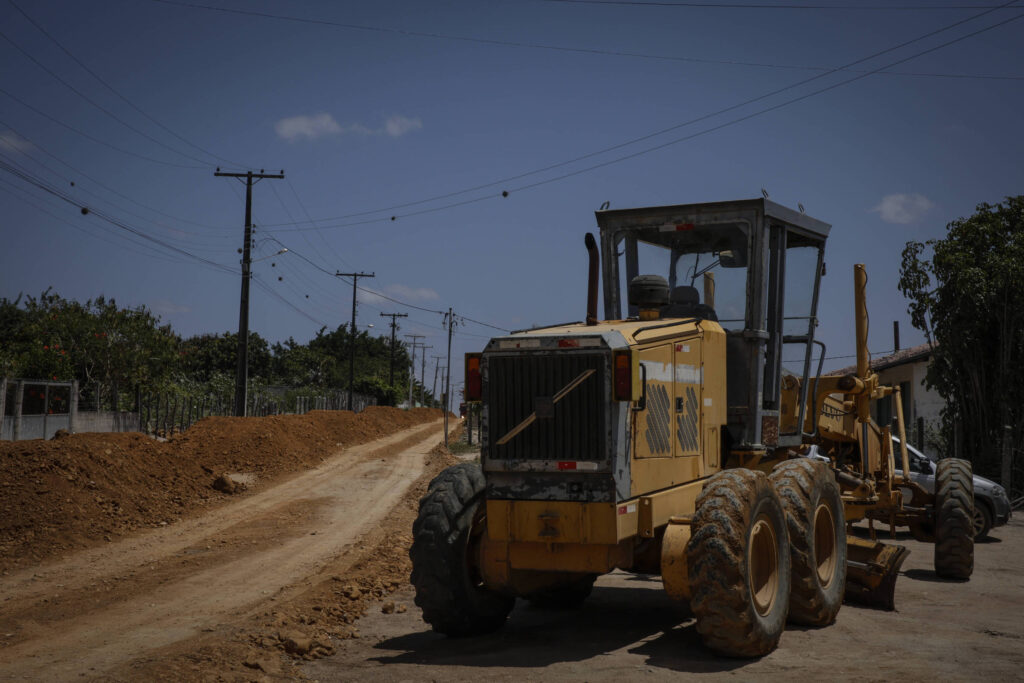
(967, 300)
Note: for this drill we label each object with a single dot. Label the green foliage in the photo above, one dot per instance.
(100, 343)
(967, 299)
(94, 342)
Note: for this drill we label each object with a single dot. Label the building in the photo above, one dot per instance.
(922, 406)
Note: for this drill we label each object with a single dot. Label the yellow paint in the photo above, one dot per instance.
(675, 575)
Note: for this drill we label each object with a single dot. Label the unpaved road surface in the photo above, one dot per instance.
(629, 630)
(99, 610)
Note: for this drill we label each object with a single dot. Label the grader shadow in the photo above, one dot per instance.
(641, 618)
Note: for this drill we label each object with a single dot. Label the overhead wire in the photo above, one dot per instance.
(769, 6)
(121, 242)
(92, 138)
(761, 112)
(47, 187)
(6, 143)
(541, 46)
(113, 90)
(648, 136)
(106, 187)
(94, 103)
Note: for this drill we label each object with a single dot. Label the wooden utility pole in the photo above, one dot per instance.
(412, 363)
(242, 369)
(423, 372)
(433, 387)
(394, 328)
(449, 320)
(352, 332)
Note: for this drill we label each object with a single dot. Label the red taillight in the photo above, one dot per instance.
(623, 376)
(474, 385)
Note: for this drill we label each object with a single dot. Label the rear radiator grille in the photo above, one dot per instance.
(576, 431)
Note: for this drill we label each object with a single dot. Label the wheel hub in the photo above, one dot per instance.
(764, 565)
(824, 545)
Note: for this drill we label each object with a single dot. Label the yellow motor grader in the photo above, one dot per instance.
(672, 439)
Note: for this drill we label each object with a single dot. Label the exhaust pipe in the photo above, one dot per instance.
(592, 278)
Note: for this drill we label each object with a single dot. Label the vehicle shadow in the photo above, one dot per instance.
(614, 617)
(928, 575)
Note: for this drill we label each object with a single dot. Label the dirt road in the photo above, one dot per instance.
(102, 609)
(628, 630)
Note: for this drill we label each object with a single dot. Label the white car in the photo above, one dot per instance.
(991, 504)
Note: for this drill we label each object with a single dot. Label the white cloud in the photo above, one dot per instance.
(307, 127)
(303, 127)
(412, 293)
(903, 208)
(165, 307)
(11, 140)
(398, 125)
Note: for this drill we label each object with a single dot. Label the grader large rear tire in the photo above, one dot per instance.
(817, 540)
(739, 564)
(954, 519)
(448, 588)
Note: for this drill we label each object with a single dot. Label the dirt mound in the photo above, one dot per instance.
(84, 489)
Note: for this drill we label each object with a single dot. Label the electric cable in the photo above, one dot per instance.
(91, 138)
(663, 131)
(95, 104)
(115, 91)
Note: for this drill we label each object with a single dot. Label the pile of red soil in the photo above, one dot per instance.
(83, 489)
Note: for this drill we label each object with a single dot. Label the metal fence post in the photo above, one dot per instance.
(3, 403)
(73, 407)
(19, 398)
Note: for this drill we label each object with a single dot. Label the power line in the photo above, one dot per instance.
(106, 187)
(555, 48)
(114, 90)
(755, 5)
(91, 138)
(46, 187)
(766, 110)
(95, 104)
(663, 131)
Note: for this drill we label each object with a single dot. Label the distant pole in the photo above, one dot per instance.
(352, 330)
(895, 335)
(394, 328)
(412, 363)
(450, 322)
(242, 369)
(433, 387)
(423, 371)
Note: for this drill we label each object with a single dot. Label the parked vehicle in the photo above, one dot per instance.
(991, 504)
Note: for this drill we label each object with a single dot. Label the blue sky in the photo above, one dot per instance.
(415, 100)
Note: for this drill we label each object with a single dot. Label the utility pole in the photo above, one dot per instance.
(412, 363)
(394, 327)
(352, 330)
(449, 319)
(433, 387)
(423, 370)
(242, 369)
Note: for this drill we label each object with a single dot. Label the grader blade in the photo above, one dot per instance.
(872, 569)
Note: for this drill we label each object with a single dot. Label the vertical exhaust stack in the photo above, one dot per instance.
(595, 266)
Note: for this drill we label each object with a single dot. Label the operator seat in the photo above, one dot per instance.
(684, 302)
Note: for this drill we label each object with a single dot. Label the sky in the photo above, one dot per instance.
(458, 149)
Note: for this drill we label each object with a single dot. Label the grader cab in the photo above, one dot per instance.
(667, 439)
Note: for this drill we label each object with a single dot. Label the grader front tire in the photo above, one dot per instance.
(448, 589)
(739, 564)
(954, 519)
(817, 537)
